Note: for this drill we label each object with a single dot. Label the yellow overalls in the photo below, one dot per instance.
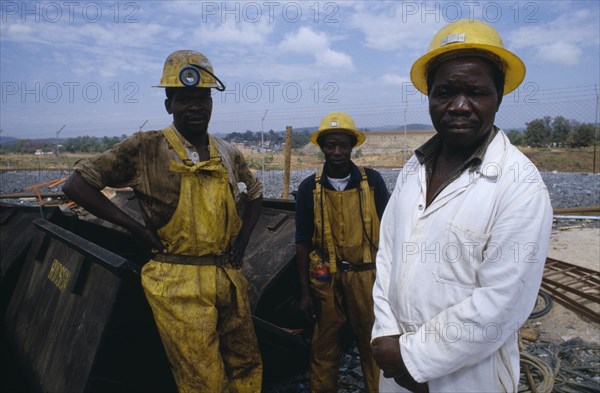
(199, 301)
(347, 229)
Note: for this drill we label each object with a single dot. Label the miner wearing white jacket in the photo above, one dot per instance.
(465, 234)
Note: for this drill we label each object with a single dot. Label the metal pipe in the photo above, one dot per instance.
(580, 209)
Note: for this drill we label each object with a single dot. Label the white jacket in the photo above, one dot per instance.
(459, 277)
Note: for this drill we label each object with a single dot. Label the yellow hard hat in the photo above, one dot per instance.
(338, 122)
(470, 35)
(188, 68)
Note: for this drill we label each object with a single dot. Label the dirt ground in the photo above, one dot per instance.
(578, 246)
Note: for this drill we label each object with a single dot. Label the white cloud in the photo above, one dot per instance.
(17, 32)
(232, 33)
(107, 50)
(391, 29)
(61, 34)
(331, 58)
(394, 79)
(361, 57)
(562, 52)
(306, 40)
(562, 41)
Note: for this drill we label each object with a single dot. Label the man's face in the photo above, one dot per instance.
(463, 101)
(337, 148)
(191, 109)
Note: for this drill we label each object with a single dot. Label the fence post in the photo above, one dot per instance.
(288, 160)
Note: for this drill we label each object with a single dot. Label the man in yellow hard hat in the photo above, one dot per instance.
(186, 181)
(465, 234)
(337, 231)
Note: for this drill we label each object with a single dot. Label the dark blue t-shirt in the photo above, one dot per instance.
(305, 219)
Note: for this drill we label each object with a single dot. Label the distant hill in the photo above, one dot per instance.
(8, 140)
(303, 129)
(412, 127)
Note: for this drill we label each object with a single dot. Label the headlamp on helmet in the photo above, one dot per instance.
(188, 68)
(189, 76)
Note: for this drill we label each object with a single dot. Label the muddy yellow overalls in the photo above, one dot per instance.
(347, 232)
(199, 301)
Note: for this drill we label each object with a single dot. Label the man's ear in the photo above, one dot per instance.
(499, 102)
(168, 106)
(500, 95)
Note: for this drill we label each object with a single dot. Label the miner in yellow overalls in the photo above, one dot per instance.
(187, 184)
(337, 232)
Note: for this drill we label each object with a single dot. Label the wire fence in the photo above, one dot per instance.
(407, 117)
(525, 104)
(394, 128)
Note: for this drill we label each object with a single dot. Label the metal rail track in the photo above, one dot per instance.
(574, 287)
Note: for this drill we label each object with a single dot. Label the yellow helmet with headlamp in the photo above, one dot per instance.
(188, 68)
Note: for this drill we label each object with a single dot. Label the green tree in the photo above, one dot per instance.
(538, 132)
(516, 137)
(28, 146)
(582, 135)
(561, 128)
(300, 139)
(249, 136)
(106, 143)
(234, 137)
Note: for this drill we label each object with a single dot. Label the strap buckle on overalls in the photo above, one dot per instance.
(345, 266)
(223, 259)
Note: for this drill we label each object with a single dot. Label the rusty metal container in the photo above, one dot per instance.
(78, 321)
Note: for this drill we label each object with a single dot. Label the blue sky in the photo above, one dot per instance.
(90, 65)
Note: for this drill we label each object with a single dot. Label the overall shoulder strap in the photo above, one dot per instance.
(177, 145)
(362, 171)
(364, 180)
(326, 235)
(317, 177)
(365, 202)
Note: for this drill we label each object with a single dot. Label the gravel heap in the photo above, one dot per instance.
(16, 181)
(566, 189)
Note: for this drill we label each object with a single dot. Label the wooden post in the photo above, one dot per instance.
(288, 160)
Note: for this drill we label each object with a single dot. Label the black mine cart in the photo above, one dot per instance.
(74, 314)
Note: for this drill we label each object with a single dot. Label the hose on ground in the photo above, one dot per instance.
(547, 305)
